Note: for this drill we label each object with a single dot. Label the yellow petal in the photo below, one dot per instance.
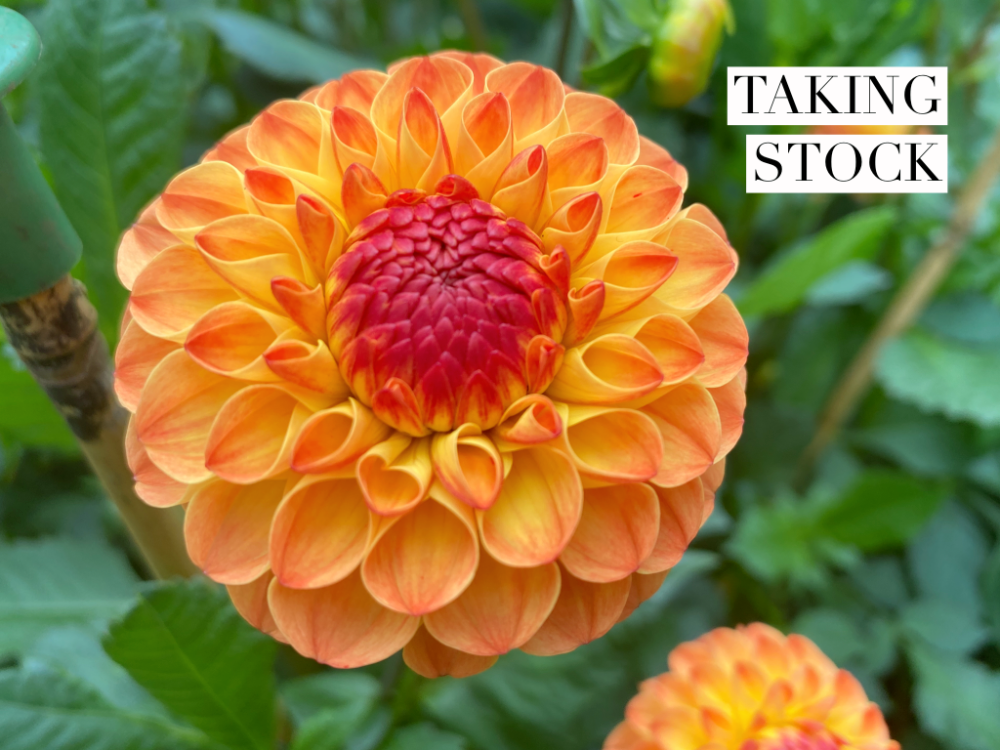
(334, 437)
(610, 369)
(198, 196)
(536, 97)
(705, 264)
(611, 445)
(530, 420)
(485, 143)
(692, 432)
(395, 474)
(631, 274)
(468, 465)
(231, 339)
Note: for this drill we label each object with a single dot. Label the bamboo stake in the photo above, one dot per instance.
(55, 334)
(906, 306)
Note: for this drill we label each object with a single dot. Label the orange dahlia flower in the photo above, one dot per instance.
(751, 688)
(435, 362)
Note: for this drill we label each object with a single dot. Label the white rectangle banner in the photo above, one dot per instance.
(847, 163)
(837, 95)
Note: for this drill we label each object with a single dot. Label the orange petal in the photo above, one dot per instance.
(536, 97)
(639, 205)
(468, 465)
(354, 138)
(151, 484)
(654, 155)
(340, 625)
(356, 90)
(521, 190)
(724, 340)
(274, 196)
(627, 736)
(607, 370)
(308, 366)
(320, 533)
(396, 405)
(683, 510)
(485, 143)
(430, 658)
(731, 401)
(714, 474)
(671, 341)
(692, 433)
(198, 196)
(395, 474)
(499, 611)
(423, 157)
(250, 600)
(631, 274)
(322, 234)
(611, 445)
(422, 560)
(231, 338)
(617, 532)
(226, 527)
(174, 418)
(578, 163)
(478, 62)
(249, 251)
(542, 360)
(292, 136)
(599, 116)
(537, 511)
(705, 264)
(530, 420)
(362, 194)
(136, 356)
(574, 226)
(175, 289)
(303, 304)
(333, 438)
(232, 149)
(479, 403)
(140, 244)
(643, 587)
(703, 215)
(584, 612)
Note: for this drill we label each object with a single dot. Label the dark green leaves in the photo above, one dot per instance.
(617, 75)
(189, 648)
(49, 583)
(112, 112)
(331, 708)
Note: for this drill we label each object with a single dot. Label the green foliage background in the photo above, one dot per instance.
(889, 559)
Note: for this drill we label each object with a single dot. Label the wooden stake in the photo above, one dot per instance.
(55, 334)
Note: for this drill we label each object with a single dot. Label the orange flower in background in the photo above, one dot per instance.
(435, 362)
(751, 688)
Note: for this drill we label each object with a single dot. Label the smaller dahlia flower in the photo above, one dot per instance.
(751, 688)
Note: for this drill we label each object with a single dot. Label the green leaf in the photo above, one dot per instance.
(190, 649)
(425, 736)
(42, 708)
(28, 416)
(943, 376)
(112, 110)
(947, 558)
(967, 317)
(785, 282)
(853, 282)
(77, 651)
(58, 582)
(616, 76)
(991, 592)
(833, 631)
(348, 693)
(880, 509)
(956, 700)
(278, 51)
(945, 626)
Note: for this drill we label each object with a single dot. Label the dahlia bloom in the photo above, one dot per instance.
(435, 361)
(751, 688)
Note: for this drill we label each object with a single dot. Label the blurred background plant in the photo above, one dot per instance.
(885, 551)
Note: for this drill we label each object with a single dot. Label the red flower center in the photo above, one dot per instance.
(434, 307)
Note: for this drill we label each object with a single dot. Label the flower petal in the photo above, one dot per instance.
(724, 340)
(631, 273)
(174, 290)
(303, 304)
(672, 342)
(537, 512)
(578, 163)
(637, 207)
(231, 339)
(320, 532)
(485, 143)
(521, 189)
(499, 611)
(250, 600)
(340, 625)
(530, 420)
(430, 658)
(617, 532)
(574, 226)
(309, 366)
(643, 587)
(151, 484)
(468, 465)
(293, 137)
(356, 90)
(334, 437)
(232, 149)
(600, 116)
(705, 264)
(173, 420)
(731, 401)
(692, 433)
(226, 528)
(136, 356)
(611, 445)
(361, 194)
(395, 474)
(536, 97)
(198, 196)
(654, 155)
(252, 436)
(607, 370)
(422, 560)
(354, 138)
(683, 510)
(584, 612)
(143, 241)
(478, 62)
(423, 157)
